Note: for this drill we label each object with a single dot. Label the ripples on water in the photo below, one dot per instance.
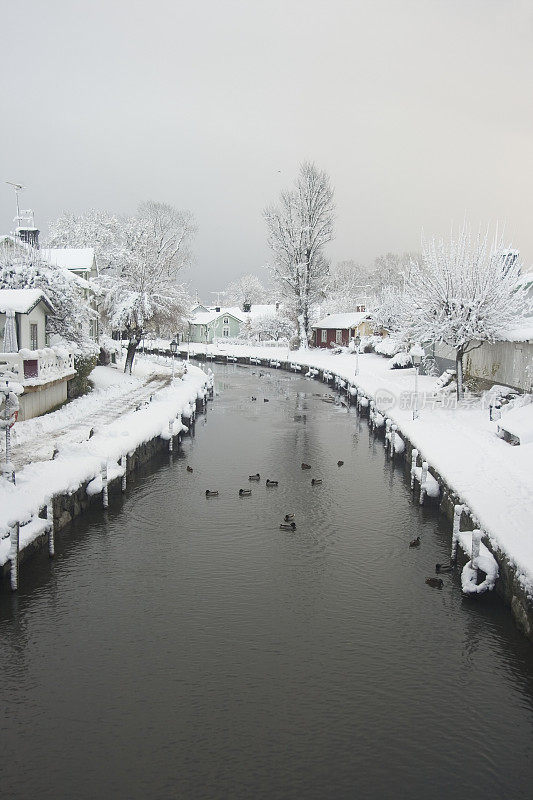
(186, 647)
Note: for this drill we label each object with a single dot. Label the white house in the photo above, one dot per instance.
(42, 371)
(80, 261)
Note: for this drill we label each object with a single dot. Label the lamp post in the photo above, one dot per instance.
(173, 350)
(9, 417)
(357, 342)
(417, 354)
(189, 342)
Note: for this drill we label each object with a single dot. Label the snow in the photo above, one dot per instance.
(78, 462)
(70, 257)
(21, 301)
(485, 562)
(341, 321)
(519, 422)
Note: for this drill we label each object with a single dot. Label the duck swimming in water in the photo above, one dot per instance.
(255, 477)
(211, 493)
(340, 463)
(189, 469)
(245, 492)
(306, 466)
(271, 483)
(289, 517)
(415, 542)
(437, 583)
(287, 526)
(316, 481)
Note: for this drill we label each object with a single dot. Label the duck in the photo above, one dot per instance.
(255, 477)
(289, 517)
(245, 492)
(254, 398)
(211, 493)
(415, 542)
(189, 469)
(340, 463)
(265, 399)
(271, 483)
(437, 583)
(287, 526)
(316, 481)
(443, 567)
(306, 466)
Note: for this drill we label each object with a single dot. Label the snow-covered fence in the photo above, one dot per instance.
(414, 457)
(40, 366)
(480, 559)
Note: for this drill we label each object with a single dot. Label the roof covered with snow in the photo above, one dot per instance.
(206, 317)
(21, 301)
(339, 321)
(70, 257)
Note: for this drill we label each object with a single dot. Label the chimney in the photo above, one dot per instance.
(29, 236)
(217, 309)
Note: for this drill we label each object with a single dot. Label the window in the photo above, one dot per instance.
(324, 335)
(33, 336)
(225, 331)
(338, 337)
(225, 321)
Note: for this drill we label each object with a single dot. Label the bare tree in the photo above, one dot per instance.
(298, 230)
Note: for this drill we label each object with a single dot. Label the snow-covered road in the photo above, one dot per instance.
(36, 439)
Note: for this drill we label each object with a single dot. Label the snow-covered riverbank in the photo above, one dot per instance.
(78, 462)
(494, 479)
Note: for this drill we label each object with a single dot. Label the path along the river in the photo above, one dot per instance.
(186, 647)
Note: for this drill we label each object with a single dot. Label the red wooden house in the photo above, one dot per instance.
(338, 329)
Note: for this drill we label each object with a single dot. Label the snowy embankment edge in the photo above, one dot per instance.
(455, 448)
(81, 463)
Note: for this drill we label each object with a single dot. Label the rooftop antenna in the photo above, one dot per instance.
(18, 187)
(218, 293)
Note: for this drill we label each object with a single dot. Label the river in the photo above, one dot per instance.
(185, 647)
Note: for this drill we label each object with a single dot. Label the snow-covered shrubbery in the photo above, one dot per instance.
(401, 360)
(388, 347)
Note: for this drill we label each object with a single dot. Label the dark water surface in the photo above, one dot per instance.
(185, 647)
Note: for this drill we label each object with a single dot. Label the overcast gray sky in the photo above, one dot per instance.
(420, 111)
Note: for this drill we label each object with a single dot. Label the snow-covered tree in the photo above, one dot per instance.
(462, 293)
(24, 268)
(388, 311)
(97, 229)
(141, 292)
(299, 228)
(246, 290)
(390, 270)
(346, 287)
(269, 326)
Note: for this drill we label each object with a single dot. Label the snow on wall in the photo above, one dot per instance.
(81, 462)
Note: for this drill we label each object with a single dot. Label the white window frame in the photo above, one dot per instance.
(225, 321)
(324, 335)
(338, 336)
(225, 331)
(34, 340)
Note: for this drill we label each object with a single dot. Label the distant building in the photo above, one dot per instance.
(338, 329)
(205, 327)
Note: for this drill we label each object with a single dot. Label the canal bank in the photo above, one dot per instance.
(49, 494)
(184, 646)
(488, 478)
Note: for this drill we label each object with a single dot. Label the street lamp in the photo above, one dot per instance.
(173, 350)
(357, 342)
(417, 354)
(10, 407)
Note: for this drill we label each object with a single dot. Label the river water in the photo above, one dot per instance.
(185, 647)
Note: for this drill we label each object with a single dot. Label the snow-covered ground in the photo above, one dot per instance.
(493, 478)
(78, 460)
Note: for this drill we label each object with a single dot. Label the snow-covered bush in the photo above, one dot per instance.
(401, 360)
(389, 346)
